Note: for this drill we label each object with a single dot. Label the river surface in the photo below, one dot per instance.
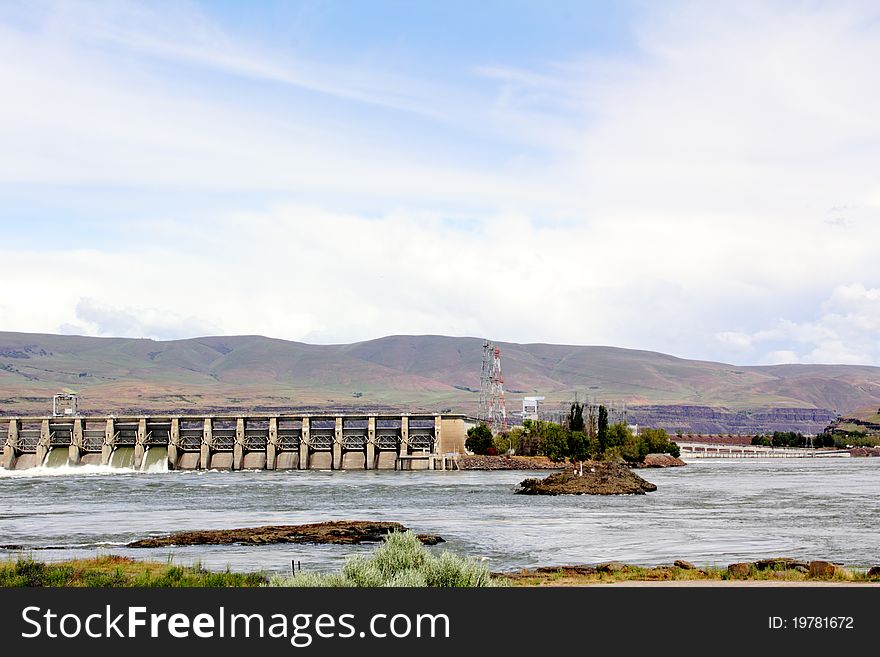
(709, 512)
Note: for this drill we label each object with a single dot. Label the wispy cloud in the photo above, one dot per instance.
(712, 193)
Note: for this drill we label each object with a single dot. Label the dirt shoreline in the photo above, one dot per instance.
(776, 571)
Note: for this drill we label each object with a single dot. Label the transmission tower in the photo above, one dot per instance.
(492, 408)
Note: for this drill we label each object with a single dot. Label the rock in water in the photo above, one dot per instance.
(739, 570)
(822, 569)
(345, 532)
(599, 478)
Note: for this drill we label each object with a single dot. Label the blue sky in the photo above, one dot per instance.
(694, 178)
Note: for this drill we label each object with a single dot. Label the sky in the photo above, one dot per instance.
(700, 179)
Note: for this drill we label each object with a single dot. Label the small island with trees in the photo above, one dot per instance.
(597, 456)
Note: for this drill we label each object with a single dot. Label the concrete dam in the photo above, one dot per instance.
(236, 442)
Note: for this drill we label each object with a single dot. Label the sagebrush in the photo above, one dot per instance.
(401, 561)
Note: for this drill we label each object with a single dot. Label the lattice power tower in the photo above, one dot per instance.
(492, 406)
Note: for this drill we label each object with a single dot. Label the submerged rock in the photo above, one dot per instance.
(599, 478)
(344, 532)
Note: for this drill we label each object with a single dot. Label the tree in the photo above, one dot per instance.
(617, 435)
(554, 442)
(479, 439)
(658, 442)
(634, 448)
(579, 446)
(602, 432)
(501, 443)
(576, 417)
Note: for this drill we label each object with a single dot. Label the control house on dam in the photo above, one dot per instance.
(236, 442)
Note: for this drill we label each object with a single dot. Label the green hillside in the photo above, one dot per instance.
(430, 372)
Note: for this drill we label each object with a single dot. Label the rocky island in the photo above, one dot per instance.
(598, 478)
(339, 532)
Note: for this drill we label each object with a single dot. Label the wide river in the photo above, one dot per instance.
(709, 512)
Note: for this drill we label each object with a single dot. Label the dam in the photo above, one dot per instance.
(236, 442)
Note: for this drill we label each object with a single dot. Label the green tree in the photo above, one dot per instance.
(576, 417)
(554, 442)
(501, 443)
(579, 448)
(479, 439)
(602, 431)
(617, 435)
(634, 449)
(657, 441)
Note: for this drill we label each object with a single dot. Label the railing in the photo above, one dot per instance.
(60, 438)
(321, 440)
(289, 434)
(354, 441)
(421, 441)
(60, 434)
(158, 433)
(223, 440)
(256, 439)
(93, 439)
(190, 437)
(388, 441)
(126, 434)
(28, 439)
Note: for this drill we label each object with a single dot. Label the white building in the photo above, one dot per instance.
(530, 408)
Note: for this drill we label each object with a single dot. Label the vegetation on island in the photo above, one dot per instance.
(577, 439)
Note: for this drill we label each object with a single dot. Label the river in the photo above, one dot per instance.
(709, 512)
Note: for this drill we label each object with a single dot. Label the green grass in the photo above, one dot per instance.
(401, 561)
(115, 571)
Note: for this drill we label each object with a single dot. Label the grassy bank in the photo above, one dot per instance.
(585, 576)
(402, 561)
(118, 571)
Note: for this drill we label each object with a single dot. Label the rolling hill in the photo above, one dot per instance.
(412, 372)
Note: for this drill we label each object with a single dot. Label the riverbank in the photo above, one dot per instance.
(117, 571)
(780, 571)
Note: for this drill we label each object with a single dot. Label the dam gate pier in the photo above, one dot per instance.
(236, 442)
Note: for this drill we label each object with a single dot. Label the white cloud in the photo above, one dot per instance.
(715, 195)
(846, 331)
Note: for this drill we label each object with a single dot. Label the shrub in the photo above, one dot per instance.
(501, 443)
(402, 561)
(479, 439)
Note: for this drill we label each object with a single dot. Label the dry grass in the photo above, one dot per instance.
(568, 577)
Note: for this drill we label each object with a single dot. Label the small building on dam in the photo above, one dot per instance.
(236, 442)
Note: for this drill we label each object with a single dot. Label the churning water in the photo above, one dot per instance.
(710, 512)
